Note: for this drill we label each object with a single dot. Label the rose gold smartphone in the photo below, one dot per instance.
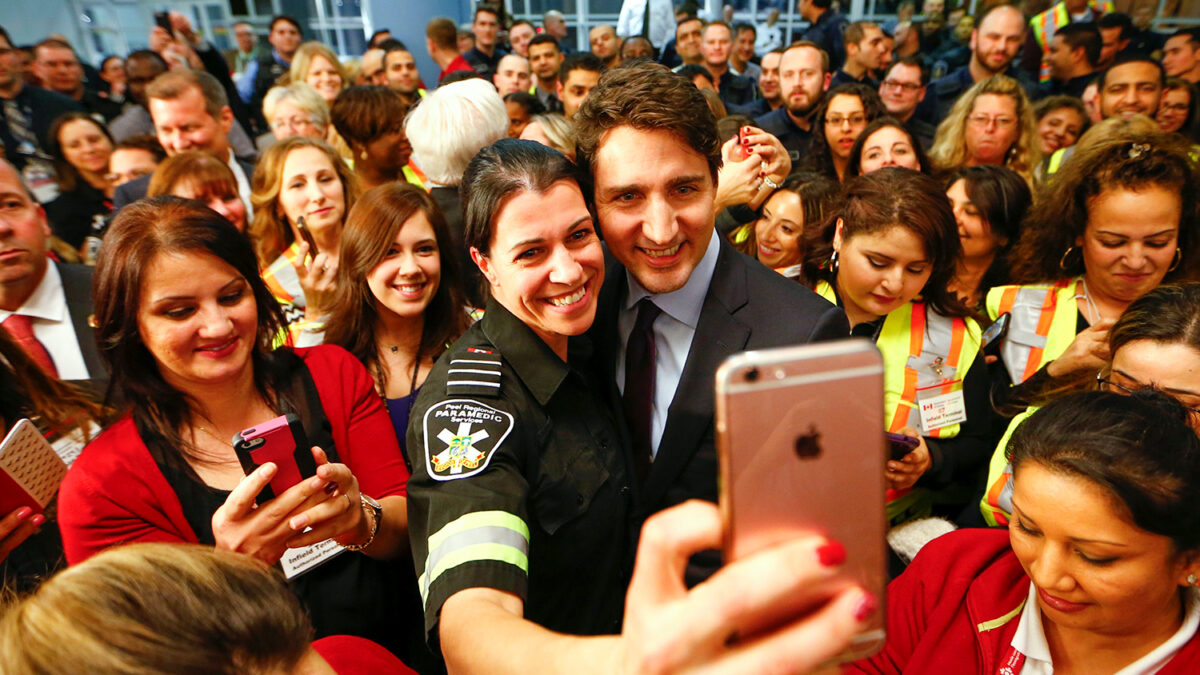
(801, 443)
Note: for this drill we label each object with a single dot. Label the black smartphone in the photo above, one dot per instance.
(306, 235)
(163, 21)
(993, 337)
(900, 445)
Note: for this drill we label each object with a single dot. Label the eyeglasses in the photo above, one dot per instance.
(1001, 121)
(906, 87)
(293, 123)
(839, 120)
(1106, 384)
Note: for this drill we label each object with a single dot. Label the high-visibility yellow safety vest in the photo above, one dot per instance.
(1044, 26)
(1042, 325)
(996, 504)
(413, 174)
(924, 354)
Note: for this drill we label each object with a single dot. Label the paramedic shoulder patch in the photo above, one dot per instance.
(461, 436)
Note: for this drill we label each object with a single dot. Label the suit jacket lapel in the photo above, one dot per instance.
(719, 333)
(77, 288)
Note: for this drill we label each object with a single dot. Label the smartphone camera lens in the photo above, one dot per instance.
(752, 375)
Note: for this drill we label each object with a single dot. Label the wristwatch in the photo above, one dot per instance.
(373, 507)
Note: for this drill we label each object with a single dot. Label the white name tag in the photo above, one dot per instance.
(942, 411)
(297, 561)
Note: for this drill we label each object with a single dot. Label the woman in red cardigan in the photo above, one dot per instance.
(188, 330)
(1098, 571)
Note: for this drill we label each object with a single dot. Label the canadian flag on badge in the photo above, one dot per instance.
(478, 350)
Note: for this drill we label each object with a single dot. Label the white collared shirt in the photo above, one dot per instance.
(673, 333)
(47, 307)
(1030, 640)
(243, 185)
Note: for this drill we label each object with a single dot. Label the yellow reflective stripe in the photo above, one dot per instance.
(482, 535)
(999, 479)
(996, 623)
(826, 291)
(470, 521)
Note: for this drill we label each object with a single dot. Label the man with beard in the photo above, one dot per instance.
(545, 57)
(803, 76)
(1127, 88)
(606, 46)
(400, 72)
(865, 47)
(994, 44)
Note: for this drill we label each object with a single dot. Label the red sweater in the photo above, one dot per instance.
(115, 493)
(956, 609)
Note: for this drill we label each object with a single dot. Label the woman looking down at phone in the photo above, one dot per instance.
(520, 478)
(398, 305)
(302, 192)
(1098, 570)
(186, 327)
(1115, 222)
(1155, 344)
(887, 259)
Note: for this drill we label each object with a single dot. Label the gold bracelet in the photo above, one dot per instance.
(376, 516)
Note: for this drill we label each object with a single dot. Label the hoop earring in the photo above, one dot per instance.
(1062, 262)
(1178, 259)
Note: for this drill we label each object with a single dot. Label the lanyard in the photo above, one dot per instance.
(1011, 663)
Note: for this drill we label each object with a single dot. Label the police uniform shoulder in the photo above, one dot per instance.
(947, 87)
(474, 371)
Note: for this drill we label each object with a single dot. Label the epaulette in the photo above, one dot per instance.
(474, 371)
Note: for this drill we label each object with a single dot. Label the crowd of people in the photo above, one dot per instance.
(494, 304)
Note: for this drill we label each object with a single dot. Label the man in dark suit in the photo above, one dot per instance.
(190, 112)
(45, 308)
(678, 299)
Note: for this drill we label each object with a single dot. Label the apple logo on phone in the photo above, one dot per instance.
(808, 445)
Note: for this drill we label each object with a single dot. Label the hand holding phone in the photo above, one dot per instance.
(282, 441)
(306, 235)
(900, 445)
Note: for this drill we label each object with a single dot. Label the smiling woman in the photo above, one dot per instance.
(1097, 572)
(81, 148)
(188, 331)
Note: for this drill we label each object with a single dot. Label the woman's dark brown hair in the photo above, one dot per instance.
(854, 165)
(26, 391)
(139, 234)
(818, 198)
(1002, 197)
(370, 229)
(820, 158)
(896, 197)
(363, 113)
(68, 175)
(1135, 161)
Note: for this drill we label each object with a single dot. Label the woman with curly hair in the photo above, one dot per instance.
(992, 123)
(842, 116)
(1115, 222)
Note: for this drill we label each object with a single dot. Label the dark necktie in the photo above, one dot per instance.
(638, 398)
(646, 20)
(20, 327)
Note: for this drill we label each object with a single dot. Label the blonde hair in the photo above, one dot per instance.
(157, 608)
(269, 231)
(303, 96)
(559, 131)
(302, 61)
(949, 149)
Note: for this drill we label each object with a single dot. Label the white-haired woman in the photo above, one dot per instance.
(296, 109)
(450, 127)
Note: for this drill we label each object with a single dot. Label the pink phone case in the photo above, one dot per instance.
(801, 444)
(282, 441)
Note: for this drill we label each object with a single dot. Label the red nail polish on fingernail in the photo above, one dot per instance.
(831, 553)
(24, 512)
(38, 520)
(866, 607)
